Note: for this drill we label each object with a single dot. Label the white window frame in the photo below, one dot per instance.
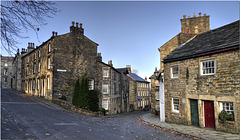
(35, 56)
(105, 104)
(172, 74)
(34, 68)
(48, 83)
(175, 105)
(227, 106)
(157, 95)
(105, 73)
(91, 84)
(106, 88)
(208, 68)
(39, 54)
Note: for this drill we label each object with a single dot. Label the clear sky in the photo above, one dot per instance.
(130, 33)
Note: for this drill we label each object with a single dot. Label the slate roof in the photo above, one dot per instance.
(212, 41)
(137, 78)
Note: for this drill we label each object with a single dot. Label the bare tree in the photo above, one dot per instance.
(18, 16)
(135, 71)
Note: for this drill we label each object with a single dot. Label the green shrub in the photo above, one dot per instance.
(93, 100)
(76, 96)
(63, 97)
(225, 116)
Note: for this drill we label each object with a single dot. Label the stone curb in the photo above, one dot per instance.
(200, 133)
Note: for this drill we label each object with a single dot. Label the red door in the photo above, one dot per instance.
(209, 114)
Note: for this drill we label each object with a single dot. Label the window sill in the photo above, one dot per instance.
(174, 111)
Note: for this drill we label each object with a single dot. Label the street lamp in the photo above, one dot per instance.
(156, 72)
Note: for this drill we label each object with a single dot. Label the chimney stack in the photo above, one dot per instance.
(53, 33)
(184, 16)
(200, 14)
(128, 67)
(73, 23)
(205, 14)
(80, 25)
(77, 24)
(56, 33)
(99, 57)
(110, 63)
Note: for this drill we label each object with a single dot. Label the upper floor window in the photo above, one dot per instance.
(91, 84)
(49, 47)
(174, 71)
(105, 73)
(5, 79)
(28, 59)
(49, 63)
(5, 72)
(6, 64)
(175, 105)
(105, 89)
(208, 67)
(157, 95)
(39, 54)
(27, 71)
(35, 56)
(39, 67)
(34, 68)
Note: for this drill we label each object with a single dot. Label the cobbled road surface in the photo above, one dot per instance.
(22, 118)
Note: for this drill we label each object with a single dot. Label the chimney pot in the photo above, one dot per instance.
(73, 23)
(200, 14)
(53, 33)
(33, 45)
(56, 33)
(205, 14)
(189, 16)
(194, 15)
(80, 25)
(76, 24)
(28, 44)
(184, 16)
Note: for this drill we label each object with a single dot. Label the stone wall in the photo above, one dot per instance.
(171, 45)
(6, 71)
(132, 94)
(223, 86)
(74, 56)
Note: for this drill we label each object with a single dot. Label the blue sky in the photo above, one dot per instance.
(130, 33)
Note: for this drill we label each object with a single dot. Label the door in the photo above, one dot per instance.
(209, 114)
(194, 112)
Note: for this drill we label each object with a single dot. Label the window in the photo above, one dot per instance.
(49, 47)
(48, 62)
(105, 73)
(105, 104)
(28, 59)
(227, 106)
(27, 70)
(35, 56)
(208, 67)
(48, 83)
(91, 84)
(105, 88)
(39, 67)
(5, 79)
(157, 107)
(33, 85)
(26, 85)
(39, 54)
(37, 83)
(5, 64)
(175, 105)
(34, 68)
(157, 95)
(174, 70)
(5, 72)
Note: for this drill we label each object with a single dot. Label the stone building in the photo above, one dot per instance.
(6, 71)
(201, 78)
(190, 27)
(52, 69)
(138, 92)
(111, 99)
(16, 69)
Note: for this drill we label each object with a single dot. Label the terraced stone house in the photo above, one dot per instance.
(6, 71)
(190, 27)
(201, 78)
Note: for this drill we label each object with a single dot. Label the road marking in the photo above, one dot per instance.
(65, 124)
(18, 103)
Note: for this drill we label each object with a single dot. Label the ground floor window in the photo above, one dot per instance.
(105, 104)
(226, 111)
(175, 105)
(48, 83)
(91, 84)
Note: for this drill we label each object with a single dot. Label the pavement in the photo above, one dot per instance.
(202, 133)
